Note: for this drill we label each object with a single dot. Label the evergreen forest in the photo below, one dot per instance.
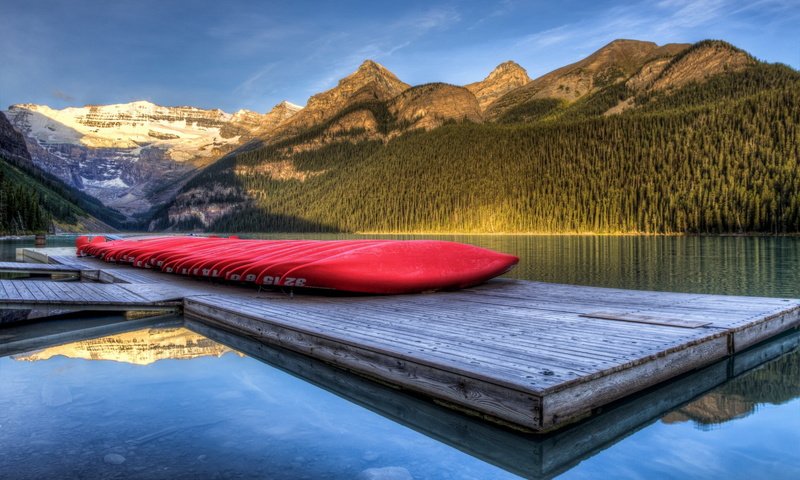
(714, 157)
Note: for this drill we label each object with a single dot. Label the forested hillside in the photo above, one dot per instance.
(20, 210)
(714, 155)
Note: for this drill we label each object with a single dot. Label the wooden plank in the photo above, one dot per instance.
(401, 341)
(464, 339)
(46, 268)
(489, 332)
(643, 318)
(399, 349)
(24, 294)
(572, 401)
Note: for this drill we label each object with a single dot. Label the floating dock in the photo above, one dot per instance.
(531, 355)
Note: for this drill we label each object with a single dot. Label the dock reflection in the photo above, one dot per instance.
(545, 456)
(730, 389)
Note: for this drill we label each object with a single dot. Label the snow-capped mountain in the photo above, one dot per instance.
(132, 156)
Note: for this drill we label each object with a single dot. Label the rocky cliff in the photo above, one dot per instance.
(429, 106)
(12, 143)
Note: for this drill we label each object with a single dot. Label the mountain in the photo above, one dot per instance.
(372, 82)
(33, 200)
(613, 63)
(266, 124)
(133, 156)
(504, 78)
(634, 138)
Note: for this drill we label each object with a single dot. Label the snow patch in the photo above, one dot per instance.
(112, 183)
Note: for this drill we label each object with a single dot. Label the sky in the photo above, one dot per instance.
(237, 54)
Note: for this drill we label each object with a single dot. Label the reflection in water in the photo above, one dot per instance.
(141, 348)
(210, 416)
(776, 383)
(222, 415)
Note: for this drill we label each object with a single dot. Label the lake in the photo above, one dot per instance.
(186, 401)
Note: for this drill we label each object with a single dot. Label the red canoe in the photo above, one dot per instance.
(364, 266)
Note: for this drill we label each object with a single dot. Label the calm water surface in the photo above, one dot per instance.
(186, 402)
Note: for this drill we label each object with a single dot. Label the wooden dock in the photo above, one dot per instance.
(531, 355)
(25, 294)
(40, 268)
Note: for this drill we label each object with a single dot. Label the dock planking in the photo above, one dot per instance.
(40, 268)
(532, 355)
(26, 294)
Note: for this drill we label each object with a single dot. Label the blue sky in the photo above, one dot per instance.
(253, 54)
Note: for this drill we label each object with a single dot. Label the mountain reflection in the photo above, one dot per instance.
(141, 347)
(776, 382)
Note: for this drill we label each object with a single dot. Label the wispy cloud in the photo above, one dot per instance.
(381, 42)
(334, 52)
(247, 86)
(666, 21)
(499, 9)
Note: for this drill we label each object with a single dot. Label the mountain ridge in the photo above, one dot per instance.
(612, 63)
(558, 164)
(372, 108)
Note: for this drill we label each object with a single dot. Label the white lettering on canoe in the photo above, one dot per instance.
(287, 282)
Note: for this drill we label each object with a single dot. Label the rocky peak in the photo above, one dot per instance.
(285, 109)
(121, 153)
(506, 69)
(381, 83)
(505, 77)
(370, 82)
(279, 114)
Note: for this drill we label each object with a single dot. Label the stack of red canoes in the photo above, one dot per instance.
(365, 266)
